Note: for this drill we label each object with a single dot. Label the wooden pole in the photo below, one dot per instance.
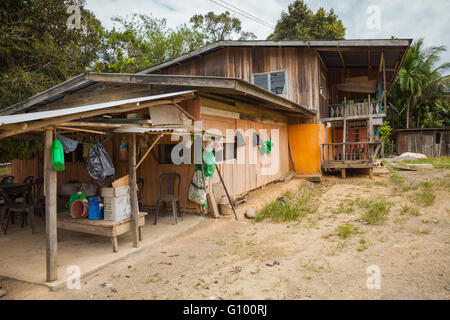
(148, 151)
(384, 84)
(226, 191)
(133, 191)
(50, 208)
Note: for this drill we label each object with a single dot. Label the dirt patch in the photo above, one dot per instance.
(324, 255)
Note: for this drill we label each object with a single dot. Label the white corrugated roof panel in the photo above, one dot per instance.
(32, 116)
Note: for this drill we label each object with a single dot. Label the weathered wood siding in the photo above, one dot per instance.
(301, 65)
(239, 178)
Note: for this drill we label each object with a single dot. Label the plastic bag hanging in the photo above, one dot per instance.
(99, 164)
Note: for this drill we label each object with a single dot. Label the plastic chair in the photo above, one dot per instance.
(39, 201)
(8, 179)
(169, 191)
(29, 180)
(140, 187)
(26, 208)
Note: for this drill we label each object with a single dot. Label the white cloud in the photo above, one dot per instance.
(403, 19)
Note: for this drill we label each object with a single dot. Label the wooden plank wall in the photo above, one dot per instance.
(425, 143)
(239, 178)
(301, 65)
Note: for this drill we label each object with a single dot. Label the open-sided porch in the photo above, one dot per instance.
(23, 252)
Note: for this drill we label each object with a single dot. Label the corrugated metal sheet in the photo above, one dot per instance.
(136, 129)
(19, 118)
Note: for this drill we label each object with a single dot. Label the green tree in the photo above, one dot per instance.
(140, 41)
(219, 27)
(420, 82)
(38, 50)
(300, 22)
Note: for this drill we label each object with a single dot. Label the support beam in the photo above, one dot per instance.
(341, 57)
(50, 209)
(133, 191)
(381, 62)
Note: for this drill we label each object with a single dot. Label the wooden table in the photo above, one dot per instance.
(100, 227)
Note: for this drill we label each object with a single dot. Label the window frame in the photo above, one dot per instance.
(323, 89)
(269, 83)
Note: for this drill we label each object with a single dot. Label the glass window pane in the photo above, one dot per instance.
(278, 82)
(261, 80)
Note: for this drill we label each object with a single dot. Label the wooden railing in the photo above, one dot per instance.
(345, 151)
(355, 108)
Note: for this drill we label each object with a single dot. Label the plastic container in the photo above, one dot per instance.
(117, 209)
(57, 156)
(79, 209)
(95, 212)
(74, 197)
(115, 192)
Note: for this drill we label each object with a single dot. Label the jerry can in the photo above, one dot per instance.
(57, 156)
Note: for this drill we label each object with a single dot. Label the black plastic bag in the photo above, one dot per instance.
(99, 164)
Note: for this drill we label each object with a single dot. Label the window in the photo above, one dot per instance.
(323, 86)
(275, 82)
(228, 151)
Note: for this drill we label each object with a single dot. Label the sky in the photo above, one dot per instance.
(400, 18)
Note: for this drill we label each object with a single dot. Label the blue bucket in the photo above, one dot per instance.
(95, 213)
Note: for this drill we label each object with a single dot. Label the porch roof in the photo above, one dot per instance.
(33, 116)
(230, 87)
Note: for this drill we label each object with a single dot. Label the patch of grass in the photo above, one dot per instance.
(239, 292)
(290, 207)
(426, 196)
(396, 178)
(345, 230)
(345, 207)
(315, 266)
(375, 210)
(405, 209)
(442, 162)
(362, 248)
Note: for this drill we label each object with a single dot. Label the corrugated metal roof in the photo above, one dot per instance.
(32, 116)
(281, 43)
(137, 129)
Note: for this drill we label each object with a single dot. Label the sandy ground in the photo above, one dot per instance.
(305, 259)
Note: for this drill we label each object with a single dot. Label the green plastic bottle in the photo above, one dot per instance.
(57, 156)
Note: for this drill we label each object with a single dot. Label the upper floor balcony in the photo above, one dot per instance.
(355, 109)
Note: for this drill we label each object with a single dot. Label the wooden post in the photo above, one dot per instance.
(384, 84)
(50, 208)
(344, 151)
(133, 191)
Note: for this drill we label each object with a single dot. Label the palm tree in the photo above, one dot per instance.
(418, 76)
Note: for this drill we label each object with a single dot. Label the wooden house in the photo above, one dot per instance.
(318, 102)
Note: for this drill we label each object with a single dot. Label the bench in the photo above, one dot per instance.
(100, 227)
